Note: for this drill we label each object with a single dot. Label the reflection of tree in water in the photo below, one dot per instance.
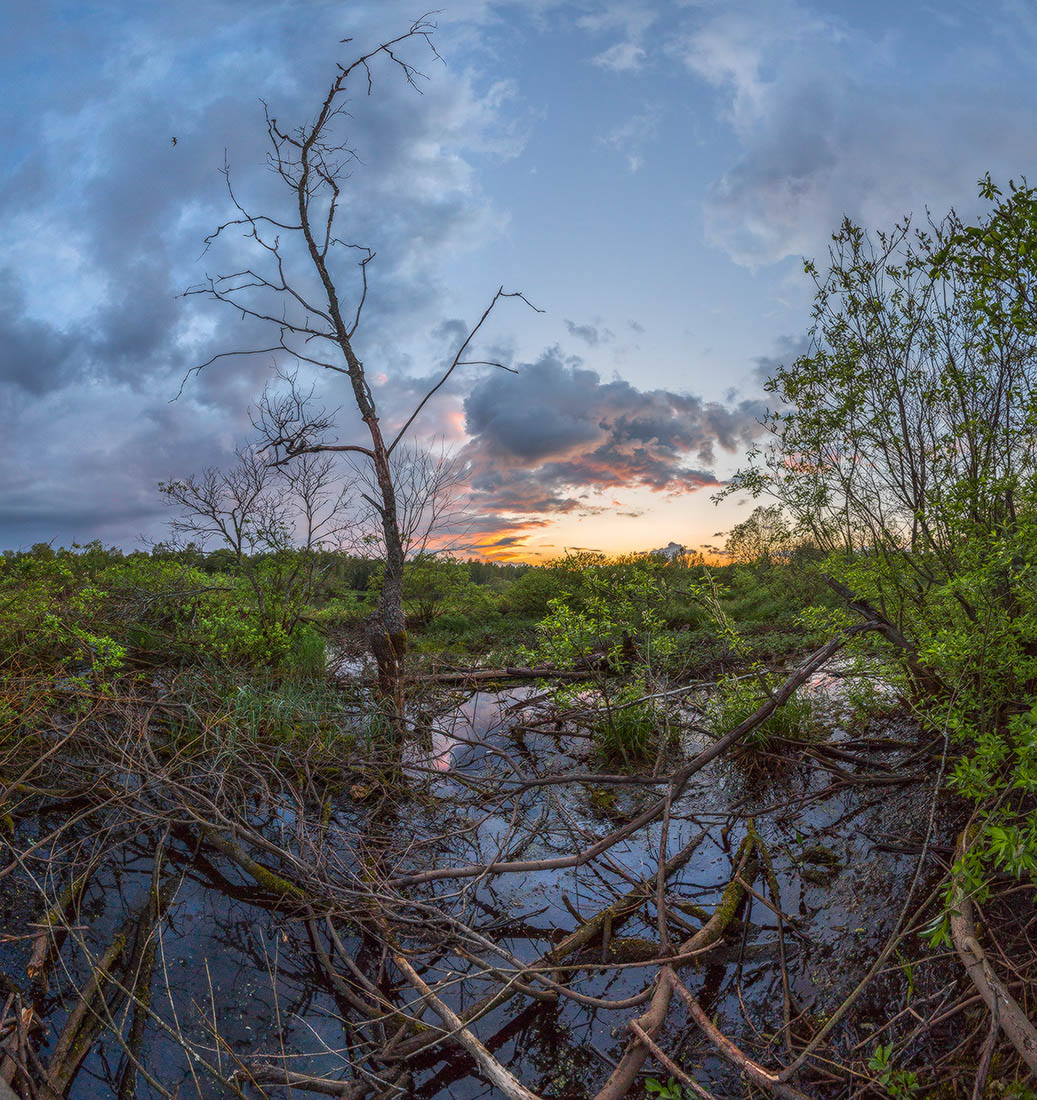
(539, 1040)
(307, 925)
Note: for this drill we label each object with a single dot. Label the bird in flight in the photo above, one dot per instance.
(174, 141)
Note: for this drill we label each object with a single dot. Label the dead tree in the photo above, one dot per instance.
(319, 328)
(287, 514)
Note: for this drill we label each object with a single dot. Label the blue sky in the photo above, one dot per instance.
(650, 174)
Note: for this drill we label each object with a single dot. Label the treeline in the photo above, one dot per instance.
(285, 610)
(339, 569)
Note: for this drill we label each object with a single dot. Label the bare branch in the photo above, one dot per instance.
(457, 360)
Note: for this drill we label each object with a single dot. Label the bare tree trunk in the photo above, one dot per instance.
(387, 628)
(312, 161)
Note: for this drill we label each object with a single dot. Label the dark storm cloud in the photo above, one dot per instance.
(556, 428)
(105, 218)
(35, 355)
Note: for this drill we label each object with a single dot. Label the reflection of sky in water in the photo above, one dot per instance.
(222, 956)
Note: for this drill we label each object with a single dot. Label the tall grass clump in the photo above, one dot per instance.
(628, 729)
(739, 697)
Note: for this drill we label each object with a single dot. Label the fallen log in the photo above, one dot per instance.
(274, 1073)
(464, 676)
(1012, 1019)
(650, 1023)
(106, 987)
(13, 1048)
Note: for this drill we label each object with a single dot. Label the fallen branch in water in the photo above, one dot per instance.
(601, 924)
(1013, 1021)
(668, 1063)
(753, 1070)
(53, 927)
(503, 1078)
(650, 1023)
(128, 950)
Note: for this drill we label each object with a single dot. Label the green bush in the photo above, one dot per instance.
(453, 623)
(531, 595)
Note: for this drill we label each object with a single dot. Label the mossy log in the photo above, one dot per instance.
(622, 1078)
(263, 876)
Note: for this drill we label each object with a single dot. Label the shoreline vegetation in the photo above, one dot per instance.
(153, 724)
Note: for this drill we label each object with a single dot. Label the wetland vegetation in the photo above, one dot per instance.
(280, 819)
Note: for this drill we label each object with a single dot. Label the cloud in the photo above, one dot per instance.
(544, 439)
(592, 335)
(832, 118)
(787, 350)
(632, 21)
(105, 218)
(621, 57)
(630, 138)
(506, 540)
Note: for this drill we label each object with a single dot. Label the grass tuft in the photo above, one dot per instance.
(737, 698)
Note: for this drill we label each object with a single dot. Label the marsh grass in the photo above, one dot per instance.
(737, 698)
(628, 734)
(229, 714)
(629, 730)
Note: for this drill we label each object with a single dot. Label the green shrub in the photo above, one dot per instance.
(531, 595)
(453, 623)
(343, 609)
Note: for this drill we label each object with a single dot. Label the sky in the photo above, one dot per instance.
(648, 173)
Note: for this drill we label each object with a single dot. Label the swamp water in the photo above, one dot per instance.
(238, 982)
